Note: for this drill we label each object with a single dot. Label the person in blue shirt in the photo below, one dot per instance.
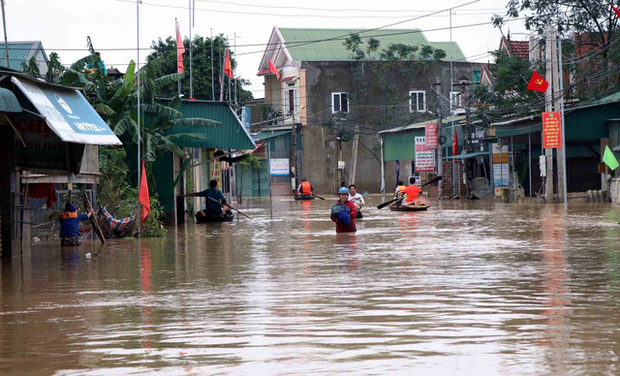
(217, 207)
(70, 225)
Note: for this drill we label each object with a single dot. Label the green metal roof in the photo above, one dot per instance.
(20, 52)
(8, 101)
(328, 44)
(230, 135)
(446, 122)
(266, 135)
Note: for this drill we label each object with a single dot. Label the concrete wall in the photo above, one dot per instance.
(614, 190)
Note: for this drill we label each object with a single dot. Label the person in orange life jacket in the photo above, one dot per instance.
(412, 191)
(70, 225)
(344, 212)
(400, 189)
(356, 199)
(304, 188)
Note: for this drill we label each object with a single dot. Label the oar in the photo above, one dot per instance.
(383, 205)
(222, 205)
(93, 217)
(317, 196)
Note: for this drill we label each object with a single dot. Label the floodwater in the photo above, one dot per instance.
(466, 288)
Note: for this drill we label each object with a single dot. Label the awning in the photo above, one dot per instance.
(468, 155)
(8, 101)
(67, 113)
(617, 148)
(266, 135)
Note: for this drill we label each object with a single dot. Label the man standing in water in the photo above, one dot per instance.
(70, 226)
(344, 212)
(212, 208)
(356, 199)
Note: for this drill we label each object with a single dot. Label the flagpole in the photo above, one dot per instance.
(191, 88)
(138, 92)
(176, 33)
(212, 69)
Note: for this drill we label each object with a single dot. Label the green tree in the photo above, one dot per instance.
(593, 25)
(509, 90)
(202, 65)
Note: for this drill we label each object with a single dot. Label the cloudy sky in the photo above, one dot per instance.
(63, 25)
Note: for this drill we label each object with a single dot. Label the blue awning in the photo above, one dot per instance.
(468, 155)
(67, 113)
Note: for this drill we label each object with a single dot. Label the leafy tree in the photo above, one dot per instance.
(31, 67)
(202, 65)
(382, 81)
(509, 90)
(593, 25)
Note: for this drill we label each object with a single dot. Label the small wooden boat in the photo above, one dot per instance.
(228, 217)
(409, 208)
(305, 197)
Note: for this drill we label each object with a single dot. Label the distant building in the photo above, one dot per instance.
(22, 52)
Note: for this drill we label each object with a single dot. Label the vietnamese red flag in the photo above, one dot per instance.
(537, 83)
(616, 10)
(180, 52)
(144, 198)
(455, 144)
(227, 66)
(273, 69)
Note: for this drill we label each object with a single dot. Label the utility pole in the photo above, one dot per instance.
(6, 43)
(191, 81)
(550, 34)
(557, 97)
(356, 139)
(440, 148)
(564, 144)
(293, 151)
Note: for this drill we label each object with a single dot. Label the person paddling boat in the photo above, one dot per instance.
(213, 208)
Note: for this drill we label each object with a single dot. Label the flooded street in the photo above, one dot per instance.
(468, 288)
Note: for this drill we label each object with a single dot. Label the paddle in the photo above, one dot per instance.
(222, 205)
(383, 205)
(317, 196)
(93, 218)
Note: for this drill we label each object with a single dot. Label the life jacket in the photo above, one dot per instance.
(67, 215)
(306, 188)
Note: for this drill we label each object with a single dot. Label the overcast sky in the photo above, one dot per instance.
(63, 25)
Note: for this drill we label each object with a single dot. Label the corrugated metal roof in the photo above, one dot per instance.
(230, 135)
(422, 124)
(328, 44)
(20, 52)
(265, 135)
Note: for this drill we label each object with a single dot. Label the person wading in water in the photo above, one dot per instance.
(344, 212)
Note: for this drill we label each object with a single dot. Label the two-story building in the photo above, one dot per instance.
(339, 101)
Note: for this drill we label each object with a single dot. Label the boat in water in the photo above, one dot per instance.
(305, 197)
(228, 217)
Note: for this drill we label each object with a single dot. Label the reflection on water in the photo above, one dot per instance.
(465, 288)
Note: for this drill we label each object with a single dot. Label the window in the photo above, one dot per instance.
(291, 101)
(477, 76)
(455, 99)
(340, 102)
(417, 101)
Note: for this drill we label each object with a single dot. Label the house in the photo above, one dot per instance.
(48, 136)
(340, 102)
(22, 52)
(209, 149)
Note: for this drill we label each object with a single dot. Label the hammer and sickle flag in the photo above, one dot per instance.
(537, 83)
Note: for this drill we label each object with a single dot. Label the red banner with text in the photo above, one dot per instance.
(552, 130)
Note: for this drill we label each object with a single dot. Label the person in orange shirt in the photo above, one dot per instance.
(400, 189)
(412, 192)
(305, 188)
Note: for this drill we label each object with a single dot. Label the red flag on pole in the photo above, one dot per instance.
(144, 198)
(227, 66)
(616, 10)
(537, 83)
(180, 52)
(273, 69)
(455, 143)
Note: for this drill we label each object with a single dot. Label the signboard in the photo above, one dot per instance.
(431, 134)
(279, 167)
(424, 157)
(68, 113)
(500, 156)
(552, 130)
(500, 168)
(216, 169)
(246, 115)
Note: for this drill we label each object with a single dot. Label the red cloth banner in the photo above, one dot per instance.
(432, 137)
(228, 66)
(144, 198)
(180, 52)
(552, 130)
(273, 69)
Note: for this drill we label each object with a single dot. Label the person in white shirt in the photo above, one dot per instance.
(356, 199)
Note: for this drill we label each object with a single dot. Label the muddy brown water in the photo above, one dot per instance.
(467, 288)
